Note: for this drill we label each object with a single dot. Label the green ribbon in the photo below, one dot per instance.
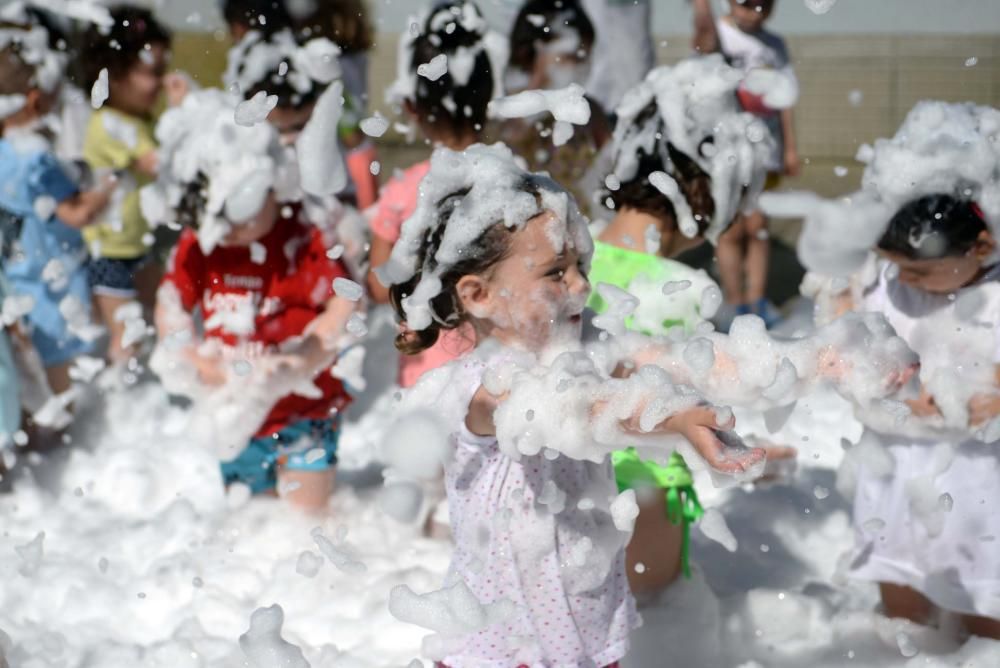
(675, 479)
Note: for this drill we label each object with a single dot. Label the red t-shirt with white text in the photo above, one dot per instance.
(286, 289)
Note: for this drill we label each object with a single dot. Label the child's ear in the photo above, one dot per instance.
(474, 295)
(34, 101)
(984, 246)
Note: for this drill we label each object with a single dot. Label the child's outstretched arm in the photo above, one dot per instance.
(858, 353)
(612, 416)
(706, 35)
(83, 208)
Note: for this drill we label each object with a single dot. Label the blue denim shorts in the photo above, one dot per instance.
(114, 277)
(296, 446)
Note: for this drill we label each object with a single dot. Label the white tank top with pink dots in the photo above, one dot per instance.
(536, 531)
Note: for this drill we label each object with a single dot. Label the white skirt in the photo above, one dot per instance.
(933, 524)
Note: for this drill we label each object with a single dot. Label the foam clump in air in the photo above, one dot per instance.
(255, 110)
(568, 107)
(492, 189)
(695, 111)
(940, 148)
(206, 154)
(263, 645)
(99, 91)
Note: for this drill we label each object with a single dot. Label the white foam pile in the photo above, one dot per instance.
(697, 112)
(492, 189)
(568, 107)
(459, 62)
(242, 164)
(33, 49)
(258, 60)
(145, 561)
(940, 148)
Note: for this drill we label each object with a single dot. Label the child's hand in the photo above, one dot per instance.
(176, 85)
(701, 428)
(924, 405)
(983, 408)
(210, 370)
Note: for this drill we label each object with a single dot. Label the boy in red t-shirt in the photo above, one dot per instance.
(260, 364)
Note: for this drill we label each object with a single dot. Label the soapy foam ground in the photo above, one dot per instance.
(183, 571)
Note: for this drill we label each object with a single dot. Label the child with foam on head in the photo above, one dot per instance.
(260, 371)
(925, 478)
(42, 207)
(346, 24)
(285, 80)
(125, 66)
(662, 195)
(533, 414)
(449, 108)
(263, 16)
(551, 43)
(770, 91)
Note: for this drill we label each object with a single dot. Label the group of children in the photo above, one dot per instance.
(570, 370)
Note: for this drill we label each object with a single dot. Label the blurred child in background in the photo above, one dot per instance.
(45, 206)
(131, 60)
(259, 274)
(346, 24)
(449, 111)
(551, 43)
(743, 252)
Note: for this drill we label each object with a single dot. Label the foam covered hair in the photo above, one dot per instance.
(698, 114)
(31, 45)
(941, 148)
(468, 192)
(433, 24)
(280, 65)
(235, 166)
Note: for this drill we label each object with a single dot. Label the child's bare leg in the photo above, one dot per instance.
(758, 253)
(655, 546)
(729, 254)
(306, 490)
(984, 627)
(147, 281)
(58, 377)
(107, 305)
(903, 602)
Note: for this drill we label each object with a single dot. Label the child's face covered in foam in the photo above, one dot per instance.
(941, 275)
(536, 294)
(244, 233)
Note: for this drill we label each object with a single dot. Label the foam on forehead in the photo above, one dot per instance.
(940, 148)
(257, 59)
(696, 111)
(467, 192)
(242, 165)
(436, 21)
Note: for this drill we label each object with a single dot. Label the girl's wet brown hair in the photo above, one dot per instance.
(490, 248)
